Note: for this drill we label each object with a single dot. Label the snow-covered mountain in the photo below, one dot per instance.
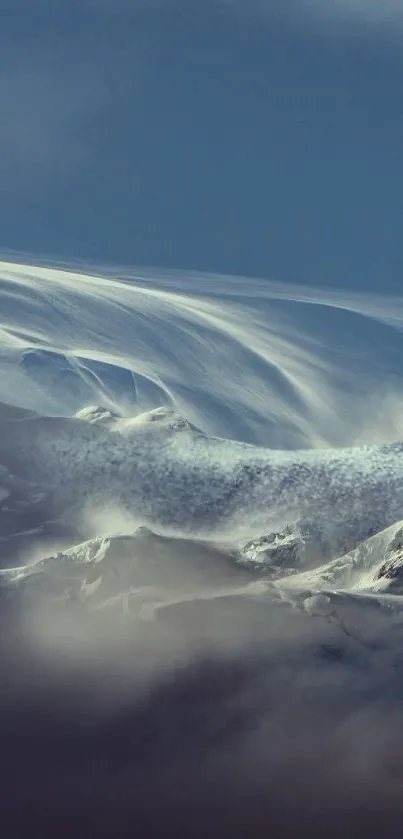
(201, 469)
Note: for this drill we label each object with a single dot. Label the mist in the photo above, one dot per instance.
(247, 730)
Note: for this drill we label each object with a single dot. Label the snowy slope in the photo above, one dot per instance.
(201, 502)
(239, 358)
(177, 369)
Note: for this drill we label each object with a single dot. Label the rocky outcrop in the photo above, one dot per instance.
(390, 572)
(274, 554)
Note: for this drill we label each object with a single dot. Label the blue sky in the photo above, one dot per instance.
(249, 137)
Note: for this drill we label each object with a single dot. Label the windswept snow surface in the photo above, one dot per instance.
(201, 540)
(241, 359)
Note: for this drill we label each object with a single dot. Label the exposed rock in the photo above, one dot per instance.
(274, 553)
(391, 569)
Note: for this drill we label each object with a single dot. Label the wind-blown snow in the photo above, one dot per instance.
(201, 504)
(246, 359)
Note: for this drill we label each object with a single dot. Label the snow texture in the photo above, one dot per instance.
(201, 537)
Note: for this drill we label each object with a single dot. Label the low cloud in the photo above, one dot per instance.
(212, 749)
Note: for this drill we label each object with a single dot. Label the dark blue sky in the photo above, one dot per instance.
(231, 137)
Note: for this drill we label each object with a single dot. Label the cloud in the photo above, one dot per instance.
(215, 747)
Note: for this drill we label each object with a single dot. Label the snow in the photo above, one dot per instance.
(198, 468)
(242, 359)
(218, 407)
